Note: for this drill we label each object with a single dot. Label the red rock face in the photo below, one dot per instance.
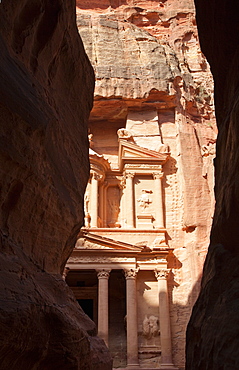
(212, 336)
(46, 95)
(146, 57)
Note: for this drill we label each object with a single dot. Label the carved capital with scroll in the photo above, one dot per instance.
(131, 273)
(103, 274)
(129, 175)
(96, 176)
(161, 274)
(157, 175)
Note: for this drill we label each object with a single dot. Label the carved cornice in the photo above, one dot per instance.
(142, 166)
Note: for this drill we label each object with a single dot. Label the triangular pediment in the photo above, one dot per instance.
(129, 151)
(91, 241)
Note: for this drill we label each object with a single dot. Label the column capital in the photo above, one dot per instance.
(161, 273)
(131, 273)
(129, 175)
(157, 175)
(122, 184)
(103, 274)
(96, 176)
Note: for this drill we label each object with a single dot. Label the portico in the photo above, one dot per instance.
(142, 272)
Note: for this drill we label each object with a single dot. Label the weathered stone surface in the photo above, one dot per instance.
(212, 336)
(129, 62)
(46, 95)
(149, 67)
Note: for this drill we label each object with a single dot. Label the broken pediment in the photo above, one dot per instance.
(97, 242)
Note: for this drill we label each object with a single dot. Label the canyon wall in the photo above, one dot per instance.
(149, 68)
(47, 87)
(212, 335)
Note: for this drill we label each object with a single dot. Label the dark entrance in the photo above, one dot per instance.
(87, 306)
(117, 312)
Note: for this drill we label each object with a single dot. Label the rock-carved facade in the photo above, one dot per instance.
(125, 240)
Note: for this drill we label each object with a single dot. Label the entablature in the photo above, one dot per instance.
(109, 253)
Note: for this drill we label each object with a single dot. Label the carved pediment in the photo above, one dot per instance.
(132, 153)
(92, 241)
(83, 243)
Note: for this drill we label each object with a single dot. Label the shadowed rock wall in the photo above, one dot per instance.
(46, 94)
(212, 336)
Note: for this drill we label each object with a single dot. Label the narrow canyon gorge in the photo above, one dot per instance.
(152, 137)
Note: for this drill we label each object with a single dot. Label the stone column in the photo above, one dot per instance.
(132, 322)
(94, 200)
(104, 204)
(130, 213)
(158, 199)
(123, 203)
(164, 320)
(103, 311)
(101, 204)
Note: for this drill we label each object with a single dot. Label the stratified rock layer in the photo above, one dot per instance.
(212, 336)
(149, 68)
(46, 96)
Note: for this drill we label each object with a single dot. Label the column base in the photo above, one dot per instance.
(168, 367)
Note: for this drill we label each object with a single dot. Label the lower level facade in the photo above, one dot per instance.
(123, 289)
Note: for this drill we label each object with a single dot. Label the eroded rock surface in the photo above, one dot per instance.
(46, 95)
(149, 68)
(212, 337)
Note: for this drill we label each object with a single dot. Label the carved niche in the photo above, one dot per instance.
(113, 206)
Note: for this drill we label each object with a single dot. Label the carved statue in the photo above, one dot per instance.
(113, 204)
(87, 200)
(86, 209)
(90, 138)
(124, 134)
(159, 241)
(208, 153)
(150, 326)
(163, 148)
(144, 200)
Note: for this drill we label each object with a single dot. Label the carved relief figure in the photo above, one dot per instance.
(124, 134)
(208, 153)
(150, 326)
(144, 200)
(113, 206)
(86, 209)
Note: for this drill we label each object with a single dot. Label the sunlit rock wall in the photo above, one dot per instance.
(212, 337)
(46, 95)
(149, 66)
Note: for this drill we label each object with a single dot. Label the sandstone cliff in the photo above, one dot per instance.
(46, 96)
(148, 63)
(212, 337)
